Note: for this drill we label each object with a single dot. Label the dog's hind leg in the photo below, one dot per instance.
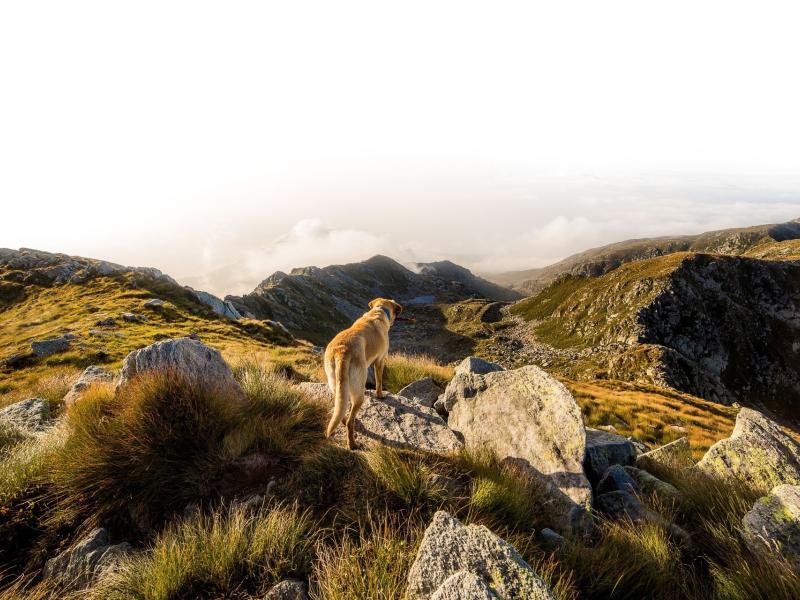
(378, 365)
(358, 383)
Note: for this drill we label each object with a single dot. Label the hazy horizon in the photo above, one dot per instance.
(221, 145)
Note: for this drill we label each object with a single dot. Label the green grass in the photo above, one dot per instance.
(542, 305)
(402, 369)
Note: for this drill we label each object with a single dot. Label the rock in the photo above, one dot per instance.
(604, 449)
(133, 318)
(425, 391)
(190, 358)
(32, 414)
(527, 417)
(221, 307)
(288, 589)
(91, 375)
(621, 504)
(550, 539)
(42, 348)
(773, 525)
(676, 454)
(464, 586)
(77, 567)
(107, 322)
(477, 366)
(448, 548)
(758, 453)
(395, 421)
(650, 484)
(154, 303)
(616, 479)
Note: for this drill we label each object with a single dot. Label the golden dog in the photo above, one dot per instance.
(348, 357)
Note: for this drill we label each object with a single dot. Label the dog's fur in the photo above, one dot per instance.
(348, 357)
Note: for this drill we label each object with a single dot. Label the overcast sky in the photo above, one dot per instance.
(223, 141)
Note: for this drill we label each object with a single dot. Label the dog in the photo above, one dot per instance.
(349, 355)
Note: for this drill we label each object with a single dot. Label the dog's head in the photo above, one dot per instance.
(390, 307)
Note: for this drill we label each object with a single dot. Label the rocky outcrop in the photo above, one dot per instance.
(50, 346)
(757, 453)
(221, 307)
(527, 417)
(32, 414)
(604, 449)
(77, 567)
(476, 366)
(454, 557)
(188, 357)
(91, 375)
(676, 454)
(773, 525)
(465, 383)
(394, 421)
(425, 391)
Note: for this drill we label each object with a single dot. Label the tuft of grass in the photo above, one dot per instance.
(402, 369)
(407, 476)
(231, 552)
(24, 464)
(11, 436)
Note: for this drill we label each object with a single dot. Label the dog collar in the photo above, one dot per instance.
(388, 313)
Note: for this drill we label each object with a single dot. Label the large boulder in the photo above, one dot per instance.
(527, 417)
(758, 453)
(449, 551)
(773, 525)
(187, 357)
(78, 566)
(32, 414)
(54, 345)
(394, 421)
(604, 449)
(677, 455)
(466, 380)
(90, 376)
(425, 391)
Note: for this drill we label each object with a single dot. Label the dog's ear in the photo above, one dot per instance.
(397, 308)
(373, 303)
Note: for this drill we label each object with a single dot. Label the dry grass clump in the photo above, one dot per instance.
(402, 369)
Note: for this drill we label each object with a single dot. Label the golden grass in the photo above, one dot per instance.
(402, 369)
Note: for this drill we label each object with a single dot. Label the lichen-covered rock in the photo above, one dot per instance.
(617, 479)
(773, 525)
(527, 417)
(449, 547)
(425, 391)
(32, 414)
(188, 357)
(464, 586)
(757, 453)
(54, 345)
(395, 421)
(604, 449)
(90, 376)
(650, 484)
(466, 382)
(77, 567)
(676, 454)
(288, 589)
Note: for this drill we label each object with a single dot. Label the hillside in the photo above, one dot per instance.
(314, 303)
(725, 328)
(598, 261)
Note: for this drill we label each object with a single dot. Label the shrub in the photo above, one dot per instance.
(228, 552)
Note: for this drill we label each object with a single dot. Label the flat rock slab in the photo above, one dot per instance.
(454, 557)
(425, 391)
(48, 347)
(395, 421)
(529, 418)
(773, 525)
(32, 414)
(757, 453)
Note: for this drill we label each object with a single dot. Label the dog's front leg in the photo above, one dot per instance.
(378, 364)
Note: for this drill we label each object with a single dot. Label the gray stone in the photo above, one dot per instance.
(90, 376)
(550, 539)
(449, 547)
(477, 366)
(616, 479)
(107, 322)
(78, 566)
(221, 307)
(527, 417)
(677, 455)
(187, 357)
(32, 414)
(757, 453)
(154, 303)
(650, 484)
(394, 421)
(620, 504)
(288, 589)
(464, 586)
(50, 346)
(466, 382)
(604, 449)
(133, 318)
(773, 525)
(425, 391)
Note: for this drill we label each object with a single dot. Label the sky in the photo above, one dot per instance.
(223, 141)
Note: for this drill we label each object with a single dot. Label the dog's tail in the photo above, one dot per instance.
(341, 391)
